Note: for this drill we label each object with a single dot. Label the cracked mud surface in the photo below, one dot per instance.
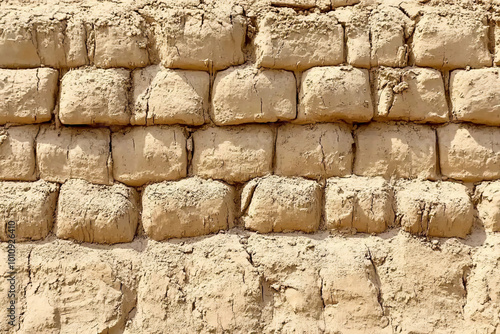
(242, 282)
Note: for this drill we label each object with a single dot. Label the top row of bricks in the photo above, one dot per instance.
(189, 39)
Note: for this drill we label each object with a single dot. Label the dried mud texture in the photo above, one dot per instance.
(95, 97)
(149, 154)
(187, 208)
(27, 96)
(410, 94)
(97, 213)
(487, 197)
(200, 40)
(233, 154)
(359, 204)
(335, 93)
(475, 96)
(453, 40)
(403, 151)
(17, 153)
(164, 96)
(376, 36)
(73, 153)
(91, 293)
(31, 206)
(280, 204)
(389, 29)
(287, 41)
(28, 40)
(438, 209)
(119, 41)
(246, 282)
(468, 152)
(249, 95)
(250, 166)
(314, 151)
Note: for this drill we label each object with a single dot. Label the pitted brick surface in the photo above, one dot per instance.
(95, 97)
(288, 41)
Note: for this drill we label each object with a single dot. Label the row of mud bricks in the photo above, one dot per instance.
(369, 118)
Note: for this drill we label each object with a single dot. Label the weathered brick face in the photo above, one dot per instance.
(330, 94)
(475, 96)
(315, 151)
(192, 39)
(291, 42)
(452, 41)
(396, 150)
(27, 96)
(410, 94)
(264, 166)
(95, 97)
(250, 95)
(164, 96)
(149, 154)
(70, 153)
(219, 153)
(469, 153)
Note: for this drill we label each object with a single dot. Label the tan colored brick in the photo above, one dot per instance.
(475, 96)
(361, 203)
(68, 153)
(27, 41)
(316, 151)
(187, 208)
(411, 94)
(357, 35)
(164, 96)
(487, 197)
(149, 154)
(97, 213)
(121, 43)
(451, 41)
(377, 37)
(395, 150)
(27, 96)
(389, 28)
(233, 154)
(200, 40)
(281, 204)
(30, 205)
(95, 96)
(61, 43)
(335, 93)
(17, 41)
(17, 153)
(437, 209)
(288, 41)
(469, 152)
(247, 94)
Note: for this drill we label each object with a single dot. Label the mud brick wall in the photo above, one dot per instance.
(291, 166)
